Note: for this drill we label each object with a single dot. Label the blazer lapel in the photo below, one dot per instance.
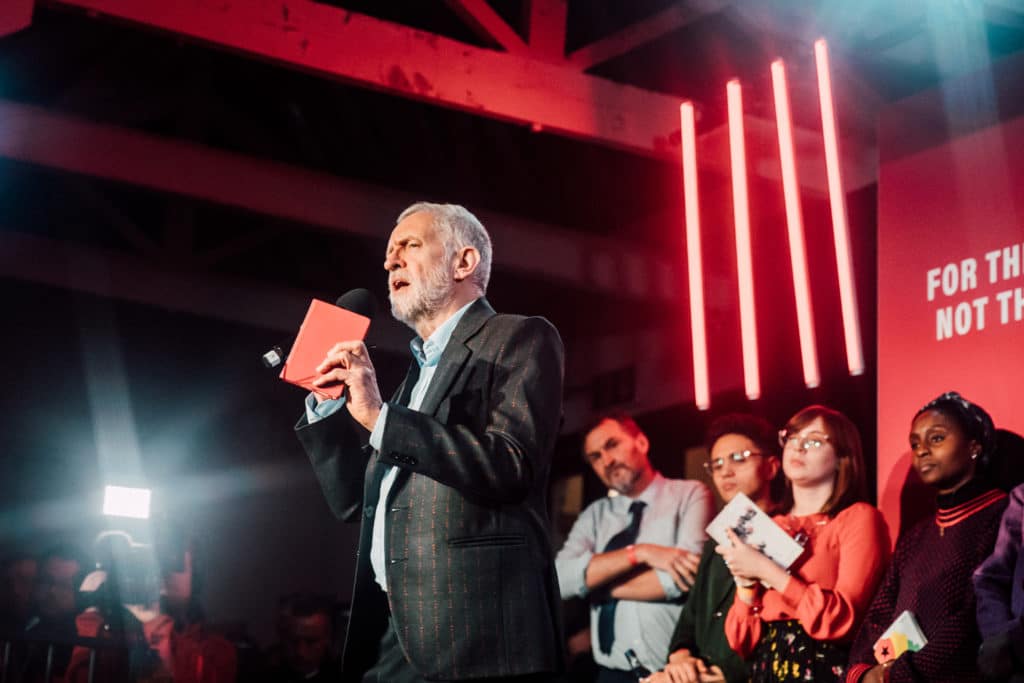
(404, 392)
(455, 355)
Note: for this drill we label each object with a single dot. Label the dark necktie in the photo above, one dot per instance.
(606, 612)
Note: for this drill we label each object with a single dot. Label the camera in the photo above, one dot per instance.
(129, 573)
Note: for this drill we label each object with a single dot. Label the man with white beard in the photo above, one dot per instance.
(455, 574)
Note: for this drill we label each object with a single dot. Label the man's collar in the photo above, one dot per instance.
(651, 492)
(647, 495)
(428, 352)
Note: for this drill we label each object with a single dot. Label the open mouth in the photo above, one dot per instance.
(399, 284)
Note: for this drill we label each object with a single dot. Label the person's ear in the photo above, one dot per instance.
(643, 443)
(466, 261)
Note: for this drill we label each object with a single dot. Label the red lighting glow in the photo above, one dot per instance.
(741, 216)
(694, 265)
(840, 229)
(795, 227)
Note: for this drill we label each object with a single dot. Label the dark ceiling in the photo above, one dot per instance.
(169, 85)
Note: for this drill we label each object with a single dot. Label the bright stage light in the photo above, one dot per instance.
(744, 262)
(123, 501)
(694, 263)
(795, 227)
(840, 229)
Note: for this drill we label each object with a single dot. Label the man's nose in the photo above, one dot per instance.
(392, 261)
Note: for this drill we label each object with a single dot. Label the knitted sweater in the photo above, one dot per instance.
(930, 575)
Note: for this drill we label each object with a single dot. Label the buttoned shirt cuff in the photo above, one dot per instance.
(672, 591)
(572, 575)
(377, 435)
(318, 411)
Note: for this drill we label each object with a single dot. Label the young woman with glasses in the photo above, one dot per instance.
(796, 625)
(952, 441)
(743, 458)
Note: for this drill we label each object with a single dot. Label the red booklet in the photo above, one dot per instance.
(324, 326)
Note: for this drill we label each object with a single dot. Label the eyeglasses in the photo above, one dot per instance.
(716, 464)
(812, 441)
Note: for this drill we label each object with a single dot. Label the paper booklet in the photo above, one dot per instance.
(904, 634)
(754, 527)
(324, 326)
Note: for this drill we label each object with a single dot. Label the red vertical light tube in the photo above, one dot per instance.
(694, 262)
(840, 228)
(795, 227)
(741, 217)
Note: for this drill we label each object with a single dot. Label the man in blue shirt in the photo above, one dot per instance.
(632, 554)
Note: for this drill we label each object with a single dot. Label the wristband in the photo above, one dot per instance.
(631, 554)
(754, 594)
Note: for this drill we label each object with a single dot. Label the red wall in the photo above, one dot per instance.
(951, 190)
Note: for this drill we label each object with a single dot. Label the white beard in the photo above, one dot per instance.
(419, 300)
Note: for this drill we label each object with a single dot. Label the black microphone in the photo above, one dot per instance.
(359, 300)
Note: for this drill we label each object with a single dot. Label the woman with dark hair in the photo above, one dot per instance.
(795, 625)
(952, 440)
(743, 458)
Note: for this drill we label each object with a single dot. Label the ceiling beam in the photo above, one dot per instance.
(489, 25)
(672, 18)
(15, 15)
(310, 198)
(128, 277)
(1004, 13)
(404, 61)
(123, 277)
(546, 22)
(857, 101)
(894, 35)
(859, 162)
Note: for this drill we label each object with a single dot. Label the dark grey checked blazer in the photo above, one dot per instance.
(470, 569)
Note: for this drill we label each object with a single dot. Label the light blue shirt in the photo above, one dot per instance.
(676, 513)
(427, 354)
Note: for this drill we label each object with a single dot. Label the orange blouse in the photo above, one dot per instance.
(830, 585)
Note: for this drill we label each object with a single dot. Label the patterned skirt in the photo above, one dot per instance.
(786, 653)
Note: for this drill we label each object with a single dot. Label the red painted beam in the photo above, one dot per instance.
(45, 138)
(118, 275)
(378, 54)
(546, 20)
(489, 25)
(671, 18)
(859, 162)
(15, 15)
(124, 277)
